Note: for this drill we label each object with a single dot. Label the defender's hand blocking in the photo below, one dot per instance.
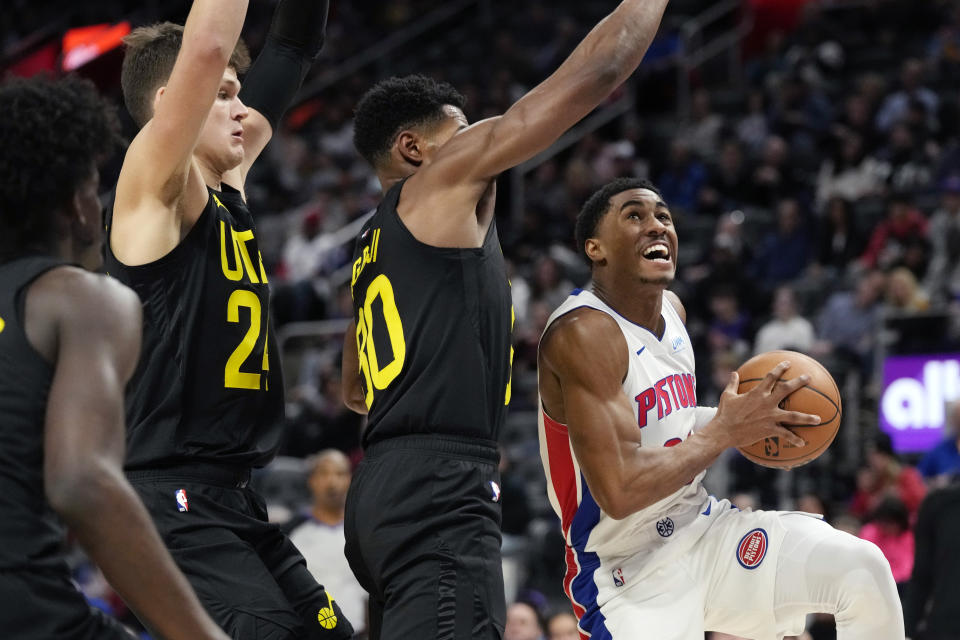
(755, 415)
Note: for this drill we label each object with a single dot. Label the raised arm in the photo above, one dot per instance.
(583, 361)
(603, 61)
(96, 329)
(153, 180)
(293, 44)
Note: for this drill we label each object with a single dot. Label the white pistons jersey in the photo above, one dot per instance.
(661, 386)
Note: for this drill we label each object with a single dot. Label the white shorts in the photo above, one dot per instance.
(738, 577)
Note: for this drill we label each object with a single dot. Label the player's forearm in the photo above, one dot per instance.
(212, 30)
(115, 530)
(653, 474)
(615, 47)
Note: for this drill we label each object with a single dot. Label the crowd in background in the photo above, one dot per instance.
(817, 197)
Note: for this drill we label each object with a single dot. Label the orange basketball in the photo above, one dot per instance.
(820, 397)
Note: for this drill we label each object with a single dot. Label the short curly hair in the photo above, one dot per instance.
(599, 204)
(148, 62)
(53, 133)
(395, 104)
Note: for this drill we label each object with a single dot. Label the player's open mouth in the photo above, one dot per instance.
(657, 252)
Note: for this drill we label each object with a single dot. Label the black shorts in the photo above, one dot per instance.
(38, 604)
(247, 574)
(423, 538)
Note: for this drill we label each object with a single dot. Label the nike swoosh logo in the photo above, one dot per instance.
(641, 350)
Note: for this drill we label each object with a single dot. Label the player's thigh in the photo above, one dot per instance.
(737, 561)
(235, 586)
(668, 605)
(46, 604)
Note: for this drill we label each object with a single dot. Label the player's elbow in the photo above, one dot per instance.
(613, 502)
(77, 490)
(355, 401)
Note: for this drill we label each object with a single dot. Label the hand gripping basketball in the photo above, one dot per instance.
(757, 414)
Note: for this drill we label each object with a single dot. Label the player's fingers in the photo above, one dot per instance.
(791, 437)
(733, 384)
(800, 419)
(787, 387)
(770, 380)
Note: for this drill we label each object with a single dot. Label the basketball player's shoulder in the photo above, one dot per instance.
(581, 336)
(86, 298)
(674, 299)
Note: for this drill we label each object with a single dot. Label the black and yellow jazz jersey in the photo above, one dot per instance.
(433, 331)
(30, 534)
(208, 386)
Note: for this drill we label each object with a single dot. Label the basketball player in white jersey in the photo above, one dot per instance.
(649, 554)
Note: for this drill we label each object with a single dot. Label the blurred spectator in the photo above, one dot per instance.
(775, 177)
(548, 284)
(885, 476)
(909, 162)
(904, 294)
(727, 181)
(943, 461)
(753, 129)
(889, 239)
(701, 133)
(784, 253)
(839, 238)
(524, 622)
(943, 275)
(729, 327)
(896, 105)
(930, 609)
(889, 529)
(787, 329)
(850, 174)
(562, 626)
(318, 534)
(681, 180)
(848, 323)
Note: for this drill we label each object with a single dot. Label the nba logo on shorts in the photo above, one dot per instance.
(182, 504)
(494, 491)
(752, 549)
(618, 580)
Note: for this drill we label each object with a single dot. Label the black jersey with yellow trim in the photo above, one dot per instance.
(433, 331)
(208, 386)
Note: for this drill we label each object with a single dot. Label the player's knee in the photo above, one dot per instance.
(867, 587)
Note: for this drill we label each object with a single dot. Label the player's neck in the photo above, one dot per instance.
(326, 515)
(212, 177)
(643, 308)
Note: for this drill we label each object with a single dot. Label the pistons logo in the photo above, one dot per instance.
(752, 549)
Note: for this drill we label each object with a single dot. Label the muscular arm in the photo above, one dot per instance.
(154, 179)
(96, 329)
(584, 355)
(353, 395)
(606, 57)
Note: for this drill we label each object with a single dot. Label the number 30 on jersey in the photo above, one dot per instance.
(379, 375)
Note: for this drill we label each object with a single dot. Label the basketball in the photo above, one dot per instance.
(820, 397)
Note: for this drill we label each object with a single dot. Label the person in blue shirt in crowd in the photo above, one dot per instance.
(944, 459)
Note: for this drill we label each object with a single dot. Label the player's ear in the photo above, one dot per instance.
(410, 147)
(156, 98)
(594, 250)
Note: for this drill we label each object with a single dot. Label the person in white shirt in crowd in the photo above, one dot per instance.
(787, 329)
(318, 533)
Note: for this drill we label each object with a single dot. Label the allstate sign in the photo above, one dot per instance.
(915, 392)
